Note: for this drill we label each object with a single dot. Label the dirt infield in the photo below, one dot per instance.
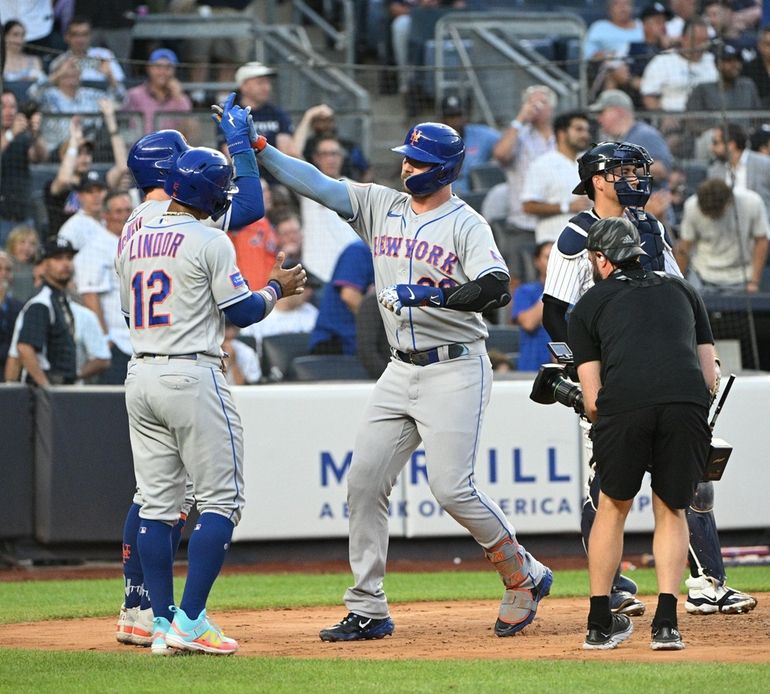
(436, 631)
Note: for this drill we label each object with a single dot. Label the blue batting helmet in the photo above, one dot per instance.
(433, 143)
(153, 155)
(201, 178)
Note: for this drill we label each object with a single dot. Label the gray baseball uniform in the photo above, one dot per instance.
(176, 277)
(441, 404)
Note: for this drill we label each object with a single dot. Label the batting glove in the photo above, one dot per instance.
(398, 296)
(237, 126)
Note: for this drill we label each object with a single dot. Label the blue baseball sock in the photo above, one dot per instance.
(154, 540)
(133, 577)
(176, 536)
(205, 556)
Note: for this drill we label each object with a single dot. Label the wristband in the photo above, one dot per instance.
(72, 151)
(259, 144)
(277, 288)
(9, 135)
(565, 207)
(516, 123)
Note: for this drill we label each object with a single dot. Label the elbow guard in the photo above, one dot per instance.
(489, 291)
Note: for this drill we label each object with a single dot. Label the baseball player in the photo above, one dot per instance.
(178, 281)
(436, 267)
(149, 160)
(615, 175)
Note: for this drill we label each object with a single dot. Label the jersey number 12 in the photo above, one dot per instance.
(159, 281)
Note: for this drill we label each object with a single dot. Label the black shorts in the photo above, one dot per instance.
(669, 441)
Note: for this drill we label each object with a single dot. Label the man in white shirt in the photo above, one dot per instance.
(87, 221)
(98, 286)
(547, 192)
(669, 77)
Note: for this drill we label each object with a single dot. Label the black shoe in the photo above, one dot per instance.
(666, 637)
(602, 640)
(357, 628)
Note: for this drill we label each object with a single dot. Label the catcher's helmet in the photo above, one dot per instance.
(616, 237)
(153, 155)
(201, 178)
(610, 155)
(433, 143)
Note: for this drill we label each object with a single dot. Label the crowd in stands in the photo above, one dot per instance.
(77, 91)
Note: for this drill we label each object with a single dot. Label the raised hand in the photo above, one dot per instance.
(290, 280)
(240, 127)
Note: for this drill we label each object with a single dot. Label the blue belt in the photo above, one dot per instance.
(430, 356)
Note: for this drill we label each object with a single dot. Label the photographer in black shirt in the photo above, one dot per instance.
(644, 419)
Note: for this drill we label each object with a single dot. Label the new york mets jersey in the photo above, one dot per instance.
(444, 247)
(176, 277)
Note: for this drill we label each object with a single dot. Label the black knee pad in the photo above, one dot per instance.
(703, 499)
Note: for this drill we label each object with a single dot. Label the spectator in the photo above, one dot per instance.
(684, 11)
(739, 167)
(371, 340)
(758, 69)
(615, 113)
(38, 20)
(86, 223)
(319, 121)
(242, 363)
(640, 53)
(335, 329)
(530, 134)
(22, 247)
(723, 242)
(46, 343)
(255, 85)
(730, 91)
(292, 314)
(527, 313)
(479, 139)
(501, 362)
(760, 139)
(64, 94)
(160, 92)
(547, 193)
(669, 77)
(256, 245)
(21, 144)
(721, 18)
(19, 66)
(325, 234)
(111, 23)
(95, 276)
(609, 38)
(76, 155)
(9, 309)
(288, 230)
(98, 66)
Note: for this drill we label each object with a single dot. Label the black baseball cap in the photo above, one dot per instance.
(728, 52)
(55, 246)
(91, 179)
(452, 105)
(616, 237)
(654, 9)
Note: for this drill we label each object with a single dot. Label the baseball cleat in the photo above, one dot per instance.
(627, 584)
(141, 634)
(160, 627)
(623, 602)
(666, 637)
(519, 606)
(198, 635)
(706, 596)
(600, 639)
(125, 625)
(355, 627)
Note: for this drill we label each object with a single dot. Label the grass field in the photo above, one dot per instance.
(43, 671)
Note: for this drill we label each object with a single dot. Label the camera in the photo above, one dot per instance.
(553, 384)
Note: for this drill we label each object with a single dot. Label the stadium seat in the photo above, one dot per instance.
(248, 340)
(503, 338)
(328, 367)
(485, 176)
(475, 199)
(278, 352)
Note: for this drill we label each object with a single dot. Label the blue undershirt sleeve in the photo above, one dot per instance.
(303, 178)
(247, 311)
(248, 205)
